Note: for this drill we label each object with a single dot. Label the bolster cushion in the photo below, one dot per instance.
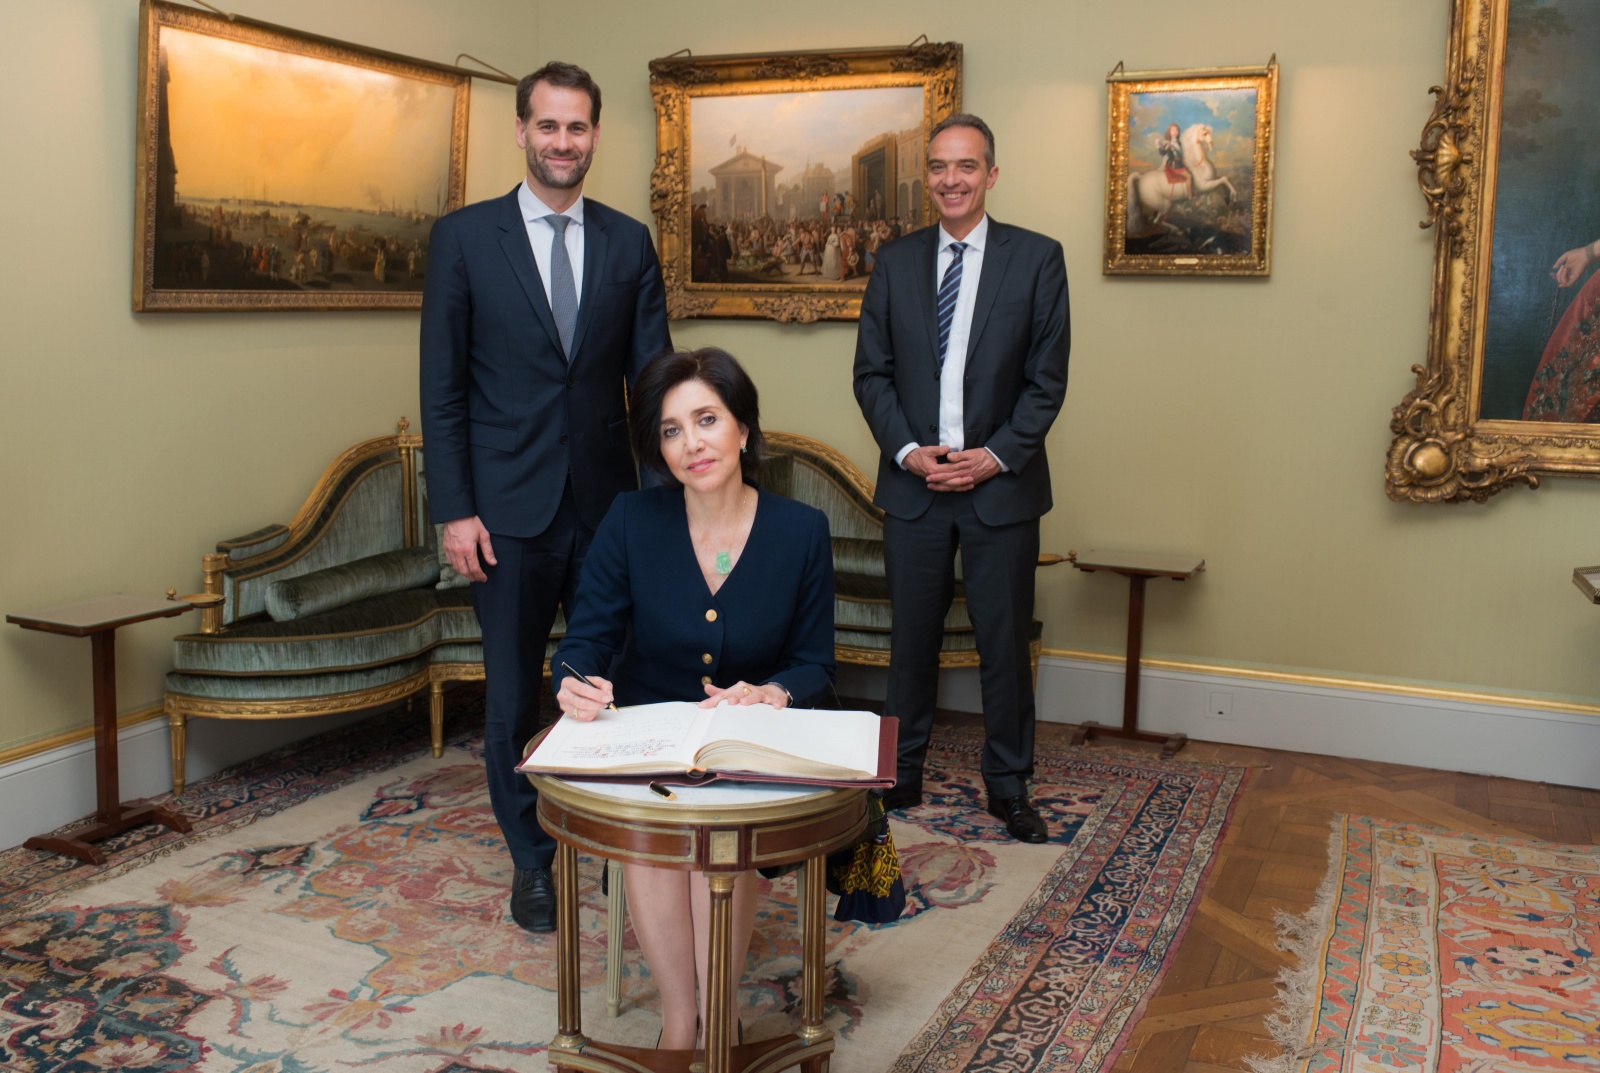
(361, 579)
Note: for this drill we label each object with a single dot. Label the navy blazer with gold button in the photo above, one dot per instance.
(642, 594)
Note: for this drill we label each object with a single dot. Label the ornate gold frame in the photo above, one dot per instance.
(154, 15)
(1122, 84)
(674, 80)
(1442, 451)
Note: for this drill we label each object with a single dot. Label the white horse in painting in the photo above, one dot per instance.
(1151, 194)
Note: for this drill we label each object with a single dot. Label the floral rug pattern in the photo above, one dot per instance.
(1443, 952)
(382, 942)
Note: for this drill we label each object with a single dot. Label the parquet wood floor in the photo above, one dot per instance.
(1211, 1010)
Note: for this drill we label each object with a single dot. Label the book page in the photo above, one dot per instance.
(644, 737)
(843, 740)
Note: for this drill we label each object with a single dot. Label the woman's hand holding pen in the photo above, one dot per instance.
(584, 700)
(745, 693)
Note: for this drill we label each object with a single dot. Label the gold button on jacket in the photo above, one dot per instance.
(705, 657)
(711, 616)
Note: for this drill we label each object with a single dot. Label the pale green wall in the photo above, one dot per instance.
(1250, 429)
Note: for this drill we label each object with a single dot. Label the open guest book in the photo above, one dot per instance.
(683, 744)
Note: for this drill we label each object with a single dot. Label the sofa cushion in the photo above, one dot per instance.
(333, 587)
(293, 686)
(367, 633)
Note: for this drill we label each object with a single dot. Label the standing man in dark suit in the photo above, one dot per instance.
(961, 367)
(537, 307)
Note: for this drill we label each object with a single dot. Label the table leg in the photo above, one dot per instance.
(1130, 682)
(719, 1001)
(569, 1016)
(109, 817)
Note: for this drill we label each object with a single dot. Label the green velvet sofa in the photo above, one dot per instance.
(345, 608)
(812, 472)
(339, 610)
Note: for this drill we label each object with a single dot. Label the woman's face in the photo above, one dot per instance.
(700, 440)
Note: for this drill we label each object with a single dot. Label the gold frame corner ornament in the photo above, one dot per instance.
(1443, 450)
(675, 80)
(1121, 85)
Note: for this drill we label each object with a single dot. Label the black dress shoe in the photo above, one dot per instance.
(898, 797)
(1022, 820)
(533, 899)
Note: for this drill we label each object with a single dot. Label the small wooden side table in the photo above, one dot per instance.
(722, 839)
(1137, 568)
(98, 620)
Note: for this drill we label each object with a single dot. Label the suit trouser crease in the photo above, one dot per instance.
(516, 609)
(998, 564)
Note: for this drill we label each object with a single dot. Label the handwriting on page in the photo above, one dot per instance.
(634, 748)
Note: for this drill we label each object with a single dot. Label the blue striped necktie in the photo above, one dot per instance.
(949, 291)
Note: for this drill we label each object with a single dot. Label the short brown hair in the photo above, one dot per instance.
(718, 370)
(967, 119)
(565, 75)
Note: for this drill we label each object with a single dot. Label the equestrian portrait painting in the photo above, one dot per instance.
(1189, 177)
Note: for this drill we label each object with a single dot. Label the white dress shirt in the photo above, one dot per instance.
(541, 236)
(952, 380)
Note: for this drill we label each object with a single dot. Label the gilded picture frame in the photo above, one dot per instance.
(1189, 164)
(1510, 390)
(740, 223)
(281, 171)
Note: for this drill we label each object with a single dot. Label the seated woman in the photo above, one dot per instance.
(706, 587)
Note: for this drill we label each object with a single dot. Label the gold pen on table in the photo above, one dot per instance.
(584, 679)
(661, 791)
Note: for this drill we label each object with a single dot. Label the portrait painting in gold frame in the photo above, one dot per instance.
(1510, 391)
(283, 171)
(1189, 171)
(778, 176)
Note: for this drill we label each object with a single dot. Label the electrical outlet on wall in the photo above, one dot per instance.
(1220, 706)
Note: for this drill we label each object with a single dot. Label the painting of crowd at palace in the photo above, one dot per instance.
(294, 174)
(1191, 171)
(803, 188)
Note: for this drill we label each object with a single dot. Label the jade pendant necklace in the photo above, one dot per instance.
(724, 557)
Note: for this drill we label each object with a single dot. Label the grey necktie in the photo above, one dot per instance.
(563, 291)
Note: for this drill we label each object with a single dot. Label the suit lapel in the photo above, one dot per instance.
(595, 245)
(514, 241)
(927, 290)
(990, 280)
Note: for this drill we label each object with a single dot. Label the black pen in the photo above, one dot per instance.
(568, 668)
(662, 791)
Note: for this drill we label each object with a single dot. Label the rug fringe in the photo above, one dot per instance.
(1301, 935)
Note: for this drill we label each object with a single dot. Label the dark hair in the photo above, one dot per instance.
(719, 371)
(565, 75)
(967, 119)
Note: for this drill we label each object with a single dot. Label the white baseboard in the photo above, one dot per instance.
(1366, 724)
(40, 793)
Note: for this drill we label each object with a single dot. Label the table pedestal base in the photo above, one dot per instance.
(79, 844)
(1170, 743)
(764, 1057)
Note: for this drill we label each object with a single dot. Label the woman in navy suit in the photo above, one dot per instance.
(706, 588)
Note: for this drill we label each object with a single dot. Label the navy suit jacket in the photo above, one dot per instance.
(505, 416)
(642, 594)
(1016, 372)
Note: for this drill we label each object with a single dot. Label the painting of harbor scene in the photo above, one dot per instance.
(289, 175)
(803, 188)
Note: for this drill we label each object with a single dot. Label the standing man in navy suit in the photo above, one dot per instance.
(961, 368)
(538, 309)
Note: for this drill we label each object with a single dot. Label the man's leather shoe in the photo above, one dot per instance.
(1022, 820)
(898, 797)
(533, 899)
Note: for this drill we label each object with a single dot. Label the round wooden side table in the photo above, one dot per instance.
(722, 838)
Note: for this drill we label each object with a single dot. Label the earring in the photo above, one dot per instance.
(743, 449)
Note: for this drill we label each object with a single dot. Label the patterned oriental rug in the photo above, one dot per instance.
(1430, 950)
(342, 907)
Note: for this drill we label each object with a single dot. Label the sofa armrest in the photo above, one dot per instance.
(268, 538)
